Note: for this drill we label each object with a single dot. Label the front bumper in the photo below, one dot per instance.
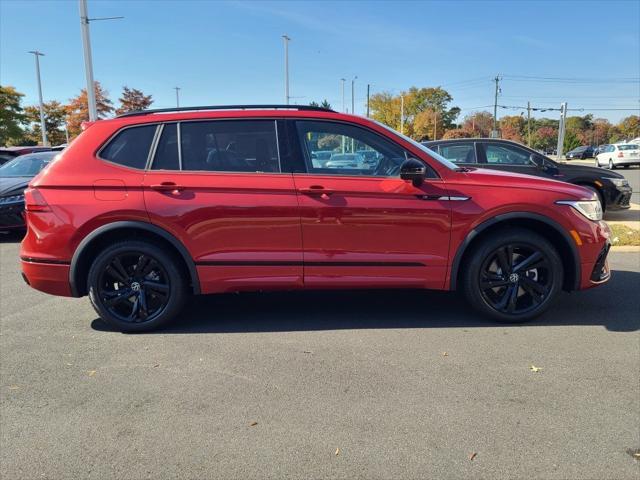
(11, 216)
(619, 198)
(593, 253)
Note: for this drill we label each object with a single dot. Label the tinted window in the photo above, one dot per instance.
(230, 146)
(628, 147)
(339, 149)
(166, 157)
(459, 152)
(130, 147)
(506, 155)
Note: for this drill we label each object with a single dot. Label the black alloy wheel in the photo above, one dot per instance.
(512, 274)
(136, 286)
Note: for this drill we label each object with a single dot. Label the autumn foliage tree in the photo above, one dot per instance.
(132, 100)
(479, 124)
(78, 108)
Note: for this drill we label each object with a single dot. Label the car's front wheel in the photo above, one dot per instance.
(512, 275)
(136, 286)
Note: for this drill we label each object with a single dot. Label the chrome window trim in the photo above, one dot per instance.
(275, 123)
(179, 142)
(154, 145)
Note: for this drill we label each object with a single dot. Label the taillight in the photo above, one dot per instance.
(34, 201)
(620, 154)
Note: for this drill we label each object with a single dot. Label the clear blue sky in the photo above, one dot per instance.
(223, 52)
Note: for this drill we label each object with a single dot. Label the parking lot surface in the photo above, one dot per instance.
(343, 385)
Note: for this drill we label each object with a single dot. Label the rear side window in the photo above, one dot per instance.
(167, 157)
(459, 152)
(130, 147)
(230, 146)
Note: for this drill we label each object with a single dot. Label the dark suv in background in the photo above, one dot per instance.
(612, 188)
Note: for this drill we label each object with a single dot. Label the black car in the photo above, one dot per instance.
(612, 188)
(15, 175)
(581, 153)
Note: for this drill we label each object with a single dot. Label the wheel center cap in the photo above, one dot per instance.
(135, 286)
(514, 277)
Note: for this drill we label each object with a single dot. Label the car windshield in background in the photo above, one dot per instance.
(26, 165)
(428, 151)
(628, 147)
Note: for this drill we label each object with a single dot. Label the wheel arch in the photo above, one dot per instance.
(104, 234)
(542, 225)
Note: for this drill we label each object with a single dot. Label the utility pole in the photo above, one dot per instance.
(563, 115)
(177, 89)
(435, 124)
(494, 133)
(368, 87)
(353, 105)
(401, 114)
(88, 62)
(43, 126)
(529, 124)
(343, 80)
(286, 68)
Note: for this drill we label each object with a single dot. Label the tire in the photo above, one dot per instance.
(493, 299)
(597, 192)
(611, 165)
(132, 302)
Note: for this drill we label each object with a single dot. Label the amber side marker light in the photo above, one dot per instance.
(576, 237)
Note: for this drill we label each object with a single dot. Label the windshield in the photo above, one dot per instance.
(628, 147)
(26, 165)
(428, 151)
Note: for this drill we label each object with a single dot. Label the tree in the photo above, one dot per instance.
(132, 100)
(600, 131)
(324, 104)
(12, 116)
(571, 141)
(78, 108)
(512, 128)
(479, 123)
(54, 120)
(580, 128)
(630, 127)
(544, 138)
(457, 133)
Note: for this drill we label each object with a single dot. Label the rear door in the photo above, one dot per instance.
(364, 226)
(218, 186)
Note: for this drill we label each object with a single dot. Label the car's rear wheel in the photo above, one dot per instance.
(611, 165)
(136, 286)
(513, 275)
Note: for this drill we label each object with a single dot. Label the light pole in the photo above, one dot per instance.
(88, 62)
(43, 127)
(353, 105)
(343, 80)
(286, 68)
(401, 113)
(177, 89)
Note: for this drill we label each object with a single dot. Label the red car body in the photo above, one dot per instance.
(291, 230)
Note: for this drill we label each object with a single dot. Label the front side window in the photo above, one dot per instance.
(130, 147)
(340, 149)
(506, 155)
(459, 152)
(230, 146)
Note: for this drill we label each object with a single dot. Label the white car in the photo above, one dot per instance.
(618, 155)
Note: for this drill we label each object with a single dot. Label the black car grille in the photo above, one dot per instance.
(11, 220)
(600, 271)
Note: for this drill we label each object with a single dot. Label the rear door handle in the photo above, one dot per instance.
(319, 190)
(167, 187)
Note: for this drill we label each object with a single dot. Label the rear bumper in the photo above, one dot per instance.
(47, 276)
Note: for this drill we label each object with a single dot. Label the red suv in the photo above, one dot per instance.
(144, 209)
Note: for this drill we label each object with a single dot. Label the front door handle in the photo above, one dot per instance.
(316, 190)
(167, 187)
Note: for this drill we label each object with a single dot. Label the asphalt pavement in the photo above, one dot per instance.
(318, 385)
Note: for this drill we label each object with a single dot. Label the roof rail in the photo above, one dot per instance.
(223, 107)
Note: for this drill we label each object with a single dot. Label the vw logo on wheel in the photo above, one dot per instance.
(135, 286)
(513, 278)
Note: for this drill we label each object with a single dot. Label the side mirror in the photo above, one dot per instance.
(414, 170)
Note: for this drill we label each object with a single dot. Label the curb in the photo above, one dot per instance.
(625, 249)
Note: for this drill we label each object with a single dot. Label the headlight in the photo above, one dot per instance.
(589, 208)
(620, 182)
(12, 199)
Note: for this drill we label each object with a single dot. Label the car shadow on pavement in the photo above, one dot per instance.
(614, 306)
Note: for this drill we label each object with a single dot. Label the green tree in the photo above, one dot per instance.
(12, 116)
(571, 141)
(54, 120)
(133, 100)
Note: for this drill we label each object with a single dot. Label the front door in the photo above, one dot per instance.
(218, 186)
(362, 226)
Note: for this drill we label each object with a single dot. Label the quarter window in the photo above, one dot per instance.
(230, 146)
(339, 149)
(459, 152)
(130, 147)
